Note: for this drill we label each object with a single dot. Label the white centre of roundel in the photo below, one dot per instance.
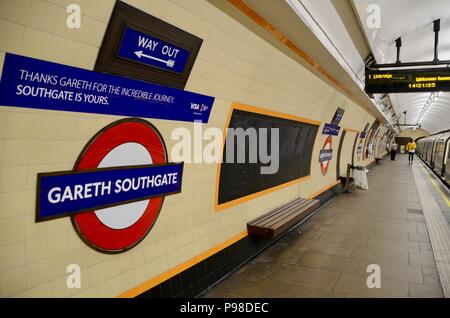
(122, 216)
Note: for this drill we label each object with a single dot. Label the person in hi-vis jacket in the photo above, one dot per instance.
(411, 149)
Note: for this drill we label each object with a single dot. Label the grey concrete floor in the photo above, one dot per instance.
(328, 255)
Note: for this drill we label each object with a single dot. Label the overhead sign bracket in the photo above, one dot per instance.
(398, 44)
(436, 29)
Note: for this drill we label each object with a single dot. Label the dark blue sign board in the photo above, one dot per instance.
(66, 193)
(33, 83)
(330, 129)
(149, 50)
(333, 127)
(364, 132)
(325, 155)
(338, 114)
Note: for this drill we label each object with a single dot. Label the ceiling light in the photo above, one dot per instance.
(428, 104)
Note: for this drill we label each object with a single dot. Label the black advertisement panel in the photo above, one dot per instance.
(296, 140)
(407, 80)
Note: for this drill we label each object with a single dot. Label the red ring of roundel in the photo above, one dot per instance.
(87, 224)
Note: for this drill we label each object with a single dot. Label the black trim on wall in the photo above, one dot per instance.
(354, 148)
(196, 280)
(338, 161)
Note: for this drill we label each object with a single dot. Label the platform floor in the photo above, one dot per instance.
(328, 255)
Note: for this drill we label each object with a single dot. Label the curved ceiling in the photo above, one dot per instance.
(351, 30)
(338, 31)
(412, 20)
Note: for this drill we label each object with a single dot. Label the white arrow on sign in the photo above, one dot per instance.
(169, 63)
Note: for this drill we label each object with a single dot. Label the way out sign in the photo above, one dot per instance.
(116, 189)
(149, 50)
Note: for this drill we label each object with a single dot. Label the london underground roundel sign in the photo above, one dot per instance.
(117, 187)
(325, 155)
(124, 143)
(359, 150)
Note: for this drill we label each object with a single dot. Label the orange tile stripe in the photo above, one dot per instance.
(351, 130)
(312, 196)
(263, 111)
(268, 112)
(180, 268)
(258, 19)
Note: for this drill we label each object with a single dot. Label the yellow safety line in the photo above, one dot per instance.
(438, 189)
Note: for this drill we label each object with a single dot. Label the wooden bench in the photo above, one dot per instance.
(279, 220)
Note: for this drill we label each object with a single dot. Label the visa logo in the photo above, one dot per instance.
(195, 106)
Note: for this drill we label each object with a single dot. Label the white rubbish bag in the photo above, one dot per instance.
(360, 177)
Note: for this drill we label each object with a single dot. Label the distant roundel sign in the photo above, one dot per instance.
(325, 155)
(117, 187)
(359, 150)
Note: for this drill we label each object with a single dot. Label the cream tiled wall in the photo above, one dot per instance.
(233, 64)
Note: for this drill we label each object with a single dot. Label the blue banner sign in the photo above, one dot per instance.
(146, 49)
(330, 129)
(61, 194)
(33, 83)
